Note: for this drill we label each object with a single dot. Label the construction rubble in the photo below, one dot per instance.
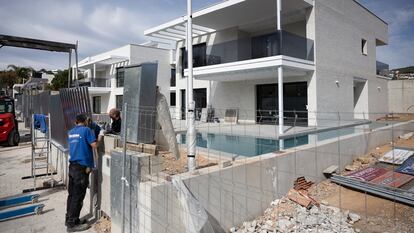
(305, 209)
(299, 212)
(285, 215)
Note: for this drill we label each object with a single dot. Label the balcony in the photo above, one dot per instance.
(273, 44)
(264, 51)
(383, 69)
(101, 83)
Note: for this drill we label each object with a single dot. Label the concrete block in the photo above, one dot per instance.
(110, 143)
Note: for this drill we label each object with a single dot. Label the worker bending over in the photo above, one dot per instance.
(115, 116)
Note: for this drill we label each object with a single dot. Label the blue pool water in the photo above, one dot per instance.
(243, 145)
(252, 146)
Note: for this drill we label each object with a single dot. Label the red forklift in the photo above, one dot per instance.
(9, 131)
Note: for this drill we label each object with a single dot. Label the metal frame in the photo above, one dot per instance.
(21, 212)
(40, 152)
(12, 201)
(46, 45)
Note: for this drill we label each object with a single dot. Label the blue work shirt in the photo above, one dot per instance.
(95, 128)
(80, 150)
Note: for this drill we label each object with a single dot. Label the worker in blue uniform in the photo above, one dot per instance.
(82, 141)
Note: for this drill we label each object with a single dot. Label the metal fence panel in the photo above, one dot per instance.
(140, 96)
(58, 128)
(74, 101)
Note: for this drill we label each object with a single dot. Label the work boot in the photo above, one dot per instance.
(80, 221)
(78, 227)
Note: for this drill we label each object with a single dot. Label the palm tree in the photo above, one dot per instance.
(23, 73)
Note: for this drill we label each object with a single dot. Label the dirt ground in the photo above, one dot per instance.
(172, 166)
(397, 117)
(372, 156)
(377, 214)
(103, 225)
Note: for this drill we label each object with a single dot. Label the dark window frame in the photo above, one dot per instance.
(97, 108)
(173, 78)
(119, 101)
(120, 74)
(172, 99)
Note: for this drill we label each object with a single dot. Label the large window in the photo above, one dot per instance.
(120, 77)
(172, 99)
(96, 102)
(119, 101)
(199, 56)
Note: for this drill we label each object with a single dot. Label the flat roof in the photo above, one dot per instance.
(29, 43)
(220, 16)
(360, 4)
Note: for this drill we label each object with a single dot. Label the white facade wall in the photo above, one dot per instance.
(401, 96)
(339, 28)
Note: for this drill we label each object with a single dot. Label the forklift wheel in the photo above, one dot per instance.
(14, 138)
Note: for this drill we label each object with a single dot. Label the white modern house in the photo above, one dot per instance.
(106, 87)
(323, 51)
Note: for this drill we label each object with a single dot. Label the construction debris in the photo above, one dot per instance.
(330, 170)
(406, 136)
(396, 156)
(103, 225)
(288, 216)
(144, 148)
(302, 184)
(302, 198)
(407, 167)
(172, 166)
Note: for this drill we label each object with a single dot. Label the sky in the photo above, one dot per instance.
(101, 25)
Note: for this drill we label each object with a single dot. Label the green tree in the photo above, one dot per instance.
(22, 73)
(7, 78)
(60, 80)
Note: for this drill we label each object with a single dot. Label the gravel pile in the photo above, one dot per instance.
(287, 216)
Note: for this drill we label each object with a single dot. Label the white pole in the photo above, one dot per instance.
(279, 13)
(94, 75)
(280, 70)
(70, 67)
(191, 132)
(280, 97)
(76, 58)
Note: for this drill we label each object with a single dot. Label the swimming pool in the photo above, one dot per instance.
(242, 145)
(252, 146)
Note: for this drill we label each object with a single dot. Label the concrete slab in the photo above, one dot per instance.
(15, 163)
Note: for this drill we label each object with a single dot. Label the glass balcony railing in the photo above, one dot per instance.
(272, 44)
(383, 69)
(95, 82)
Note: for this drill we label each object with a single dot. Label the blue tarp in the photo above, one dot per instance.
(407, 167)
(40, 122)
